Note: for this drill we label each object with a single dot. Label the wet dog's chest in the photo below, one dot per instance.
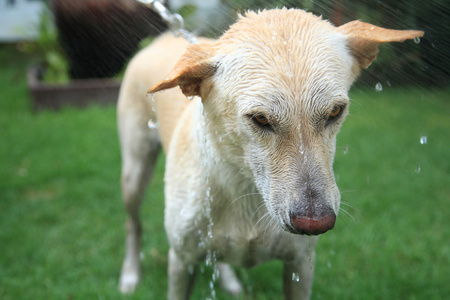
(249, 248)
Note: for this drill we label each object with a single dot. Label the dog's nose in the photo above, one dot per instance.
(312, 225)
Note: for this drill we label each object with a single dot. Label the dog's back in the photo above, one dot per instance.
(163, 109)
(137, 109)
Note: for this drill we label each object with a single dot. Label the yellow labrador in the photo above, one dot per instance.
(249, 168)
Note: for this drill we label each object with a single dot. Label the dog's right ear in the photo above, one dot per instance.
(190, 70)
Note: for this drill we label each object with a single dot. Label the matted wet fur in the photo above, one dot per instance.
(249, 163)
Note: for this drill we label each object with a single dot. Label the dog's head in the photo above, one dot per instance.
(274, 86)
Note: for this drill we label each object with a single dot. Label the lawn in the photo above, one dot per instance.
(62, 220)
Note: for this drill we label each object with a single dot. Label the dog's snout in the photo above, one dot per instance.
(313, 226)
(311, 211)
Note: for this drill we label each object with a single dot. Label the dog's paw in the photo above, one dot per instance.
(233, 287)
(228, 280)
(128, 282)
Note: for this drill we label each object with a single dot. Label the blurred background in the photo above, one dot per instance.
(61, 216)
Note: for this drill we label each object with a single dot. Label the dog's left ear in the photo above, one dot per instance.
(364, 39)
(190, 70)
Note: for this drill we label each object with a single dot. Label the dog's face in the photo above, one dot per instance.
(274, 88)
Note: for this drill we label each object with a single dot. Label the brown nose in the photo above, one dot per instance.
(313, 226)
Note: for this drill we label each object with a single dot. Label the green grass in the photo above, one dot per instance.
(61, 216)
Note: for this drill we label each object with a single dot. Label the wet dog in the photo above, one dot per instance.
(249, 162)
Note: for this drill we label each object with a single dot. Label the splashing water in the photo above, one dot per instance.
(295, 277)
(423, 140)
(378, 87)
(311, 262)
(417, 40)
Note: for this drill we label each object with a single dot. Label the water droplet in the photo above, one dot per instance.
(329, 265)
(210, 234)
(418, 169)
(152, 124)
(309, 248)
(151, 96)
(211, 258)
(346, 149)
(215, 274)
(379, 87)
(423, 140)
(417, 40)
(295, 277)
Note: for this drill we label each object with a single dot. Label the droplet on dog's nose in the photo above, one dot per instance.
(378, 87)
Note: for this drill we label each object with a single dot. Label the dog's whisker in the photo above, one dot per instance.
(352, 207)
(256, 210)
(240, 170)
(240, 197)
(347, 204)
(270, 225)
(344, 223)
(346, 213)
(260, 219)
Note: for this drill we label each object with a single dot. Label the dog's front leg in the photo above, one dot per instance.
(298, 278)
(181, 278)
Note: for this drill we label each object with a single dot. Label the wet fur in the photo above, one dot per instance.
(234, 189)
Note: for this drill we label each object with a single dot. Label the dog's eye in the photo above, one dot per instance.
(335, 113)
(260, 120)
